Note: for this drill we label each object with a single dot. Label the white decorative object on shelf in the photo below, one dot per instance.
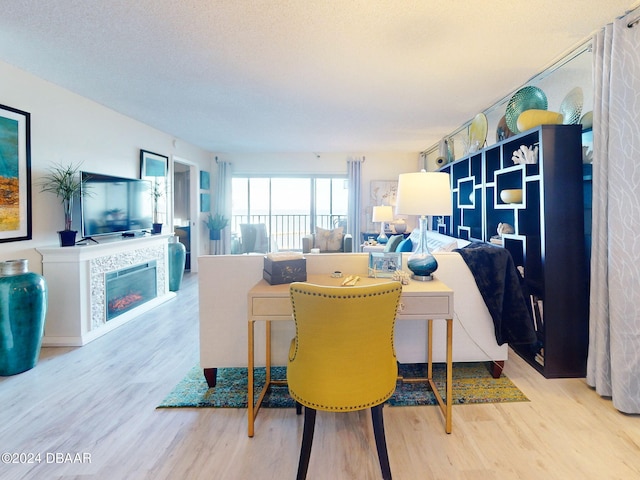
(525, 155)
(505, 228)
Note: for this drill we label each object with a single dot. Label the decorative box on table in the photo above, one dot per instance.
(285, 267)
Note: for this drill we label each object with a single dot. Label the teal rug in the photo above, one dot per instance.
(472, 383)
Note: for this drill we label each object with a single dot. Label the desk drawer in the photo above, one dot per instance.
(271, 307)
(425, 307)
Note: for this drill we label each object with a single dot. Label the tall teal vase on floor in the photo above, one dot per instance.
(177, 257)
(23, 307)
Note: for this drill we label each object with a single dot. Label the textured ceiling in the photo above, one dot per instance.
(296, 75)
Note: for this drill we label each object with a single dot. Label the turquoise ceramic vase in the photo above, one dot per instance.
(177, 257)
(23, 307)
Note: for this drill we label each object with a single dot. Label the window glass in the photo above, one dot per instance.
(290, 207)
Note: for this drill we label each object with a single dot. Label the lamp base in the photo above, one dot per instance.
(422, 266)
(422, 278)
(382, 239)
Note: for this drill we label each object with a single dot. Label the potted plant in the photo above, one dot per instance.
(215, 223)
(65, 182)
(156, 194)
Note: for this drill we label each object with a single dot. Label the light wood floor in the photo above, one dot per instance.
(100, 400)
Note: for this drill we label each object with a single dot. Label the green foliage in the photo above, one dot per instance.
(216, 222)
(62, 180)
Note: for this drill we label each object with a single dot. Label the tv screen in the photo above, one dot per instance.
(112, 205)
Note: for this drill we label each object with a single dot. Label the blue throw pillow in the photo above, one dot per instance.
(405, 245)
(393, 242)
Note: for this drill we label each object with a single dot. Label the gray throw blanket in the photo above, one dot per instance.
(499, 284)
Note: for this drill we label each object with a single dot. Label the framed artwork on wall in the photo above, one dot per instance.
(154, 167)
(204, 180)
(205, 202)
(15, 175)
(153, 164)
(383, 192)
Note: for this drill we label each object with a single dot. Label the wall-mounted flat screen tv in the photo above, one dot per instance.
(111, 205)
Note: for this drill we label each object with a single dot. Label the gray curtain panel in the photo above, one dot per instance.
(613, 365)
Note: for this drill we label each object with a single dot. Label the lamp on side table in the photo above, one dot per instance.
(423, 193)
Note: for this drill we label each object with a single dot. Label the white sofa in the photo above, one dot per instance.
(224, 281)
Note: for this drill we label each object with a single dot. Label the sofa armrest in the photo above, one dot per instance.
(347, 243)
(307, 243)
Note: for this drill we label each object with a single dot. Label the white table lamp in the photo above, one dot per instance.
(382, 214)
(423, 193)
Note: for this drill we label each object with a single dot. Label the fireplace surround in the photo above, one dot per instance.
(85, 278)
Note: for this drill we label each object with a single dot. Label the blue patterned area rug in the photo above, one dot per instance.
(472, 383)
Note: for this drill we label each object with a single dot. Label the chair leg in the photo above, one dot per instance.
(307, 440)
(298, 408)
(381, 443)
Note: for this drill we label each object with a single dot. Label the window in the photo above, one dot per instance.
(290, 207)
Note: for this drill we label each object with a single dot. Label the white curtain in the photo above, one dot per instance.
(613, 365)
(354, 167)
(223, 206)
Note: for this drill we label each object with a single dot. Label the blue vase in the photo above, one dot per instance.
(23, 307)
(177, 257)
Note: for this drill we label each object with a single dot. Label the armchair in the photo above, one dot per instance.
(254, 238)
(328, 241)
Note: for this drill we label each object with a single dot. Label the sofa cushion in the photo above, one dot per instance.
(405, 245)
(328, 240)
(449, 247)
(393, 243)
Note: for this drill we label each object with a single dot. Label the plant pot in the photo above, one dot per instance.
(157, 228)
(67, 238)
(214, 234)
(23, 296)
(177, 257)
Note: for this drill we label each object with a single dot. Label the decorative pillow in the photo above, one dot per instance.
(405, 245)
(328, 240)
(393, 243)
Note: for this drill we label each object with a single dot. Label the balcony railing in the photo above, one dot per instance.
(286, 231)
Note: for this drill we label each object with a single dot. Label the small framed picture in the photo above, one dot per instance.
(204, 180)
(153, 164)
(384, 264)
(205, 202)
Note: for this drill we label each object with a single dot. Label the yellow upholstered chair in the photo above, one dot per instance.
(342, 358)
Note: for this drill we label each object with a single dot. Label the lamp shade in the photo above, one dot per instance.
(382, 213)
(424, 193)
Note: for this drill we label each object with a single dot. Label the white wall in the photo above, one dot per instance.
(67, 128)
(377, 166)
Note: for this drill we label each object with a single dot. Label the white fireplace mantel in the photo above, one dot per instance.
(76, 312)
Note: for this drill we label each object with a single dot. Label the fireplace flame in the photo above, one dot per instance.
(124, 302)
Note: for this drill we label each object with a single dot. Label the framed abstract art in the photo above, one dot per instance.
(15, 175)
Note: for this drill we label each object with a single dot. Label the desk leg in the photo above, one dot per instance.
(430, 349)
(268, 354)
(250, 414)
(253, 408)
(449, 374)
(445, 405)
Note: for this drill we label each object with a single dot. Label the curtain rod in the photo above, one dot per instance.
(636, 20)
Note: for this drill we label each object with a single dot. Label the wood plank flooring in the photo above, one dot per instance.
(100, 400)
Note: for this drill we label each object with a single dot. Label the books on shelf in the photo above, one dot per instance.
(537, 311)
(539, 357)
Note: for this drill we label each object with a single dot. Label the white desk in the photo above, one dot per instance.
(419, 300)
